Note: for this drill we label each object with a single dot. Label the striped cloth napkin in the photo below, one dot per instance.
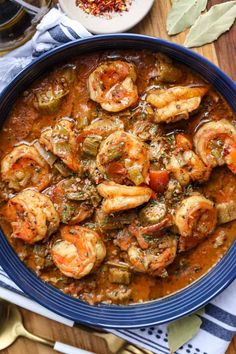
(217, 330)
(218, 322)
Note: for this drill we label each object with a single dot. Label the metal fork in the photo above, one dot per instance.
(33, 10)
(115, 344)
(133, 349)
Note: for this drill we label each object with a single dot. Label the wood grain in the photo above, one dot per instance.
(222, 53)
(55, 331)
(225, 48)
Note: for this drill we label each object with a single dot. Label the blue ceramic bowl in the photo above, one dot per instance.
(138, 315)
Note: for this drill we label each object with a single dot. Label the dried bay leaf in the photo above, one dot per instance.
(183, 14)
(181, 331)
(212, 24)
(200, 312)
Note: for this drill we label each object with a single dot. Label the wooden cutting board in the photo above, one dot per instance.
(220, 53)
(223, 54)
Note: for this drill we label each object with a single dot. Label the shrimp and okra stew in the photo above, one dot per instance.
(118, 177)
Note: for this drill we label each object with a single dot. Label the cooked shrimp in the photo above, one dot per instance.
(78, 252)
(119, 197)
(145, 129)
(175, 103)
(103, 127)
(166, 70)
(185, 165)
(195, 219)
(155, 259)
(112, 85)
(24, 167)
(73, 200)
(215, 143)
(123, 157)
(142, 233)
(124, 239)
(32, 216)
(61, 140)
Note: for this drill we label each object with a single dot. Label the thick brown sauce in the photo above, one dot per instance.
(25, 123)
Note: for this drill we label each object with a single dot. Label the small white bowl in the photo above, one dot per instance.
(118, 22)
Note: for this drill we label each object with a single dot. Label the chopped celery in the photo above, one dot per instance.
(226, 211)
(80, 195)
(121, 265)
(95, 198)
(216, 147)
(82, 122)
(135, 175)
(115, 152)
(49, 157)
(91, 145)
(119, 276)
(61, 148)
(60, 131)
(63, 169)
(60, 138)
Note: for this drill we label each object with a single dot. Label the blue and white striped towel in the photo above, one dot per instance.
(217, 330)
(218, 322)
(54, 29)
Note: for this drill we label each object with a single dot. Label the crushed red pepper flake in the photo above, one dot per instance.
(100, 7)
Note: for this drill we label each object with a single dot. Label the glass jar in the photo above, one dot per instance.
(18, 20)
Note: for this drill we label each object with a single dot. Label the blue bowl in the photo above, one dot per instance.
(111, 316)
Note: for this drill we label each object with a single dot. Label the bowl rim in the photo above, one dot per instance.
(159, 311)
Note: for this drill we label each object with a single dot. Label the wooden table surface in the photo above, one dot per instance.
(222, 53)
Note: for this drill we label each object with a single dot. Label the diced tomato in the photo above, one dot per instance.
(183, 141)
(81, 138)
(158, 180)
(116, 168)
(231, 161)
(153, 196)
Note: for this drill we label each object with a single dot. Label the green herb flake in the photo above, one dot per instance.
(106, 178)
